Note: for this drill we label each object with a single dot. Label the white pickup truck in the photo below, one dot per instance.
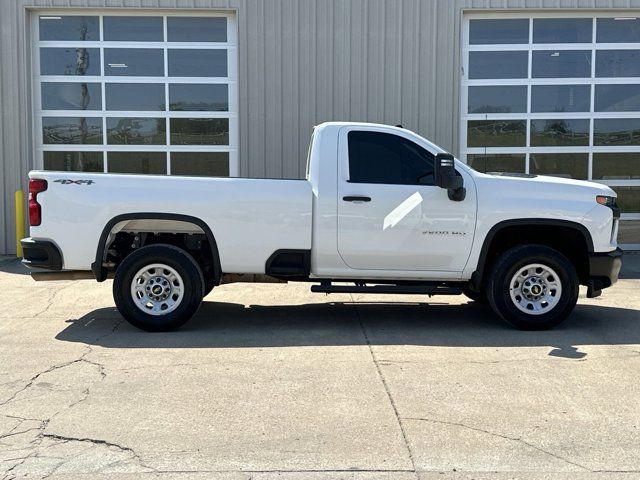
(382, 210)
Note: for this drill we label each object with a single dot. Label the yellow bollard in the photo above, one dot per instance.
(19, 221)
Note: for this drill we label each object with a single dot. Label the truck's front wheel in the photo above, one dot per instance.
(533, 287)
(158, 288)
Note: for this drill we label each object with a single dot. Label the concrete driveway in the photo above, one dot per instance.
(271, 381)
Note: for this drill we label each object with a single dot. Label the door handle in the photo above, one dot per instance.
(356, 199)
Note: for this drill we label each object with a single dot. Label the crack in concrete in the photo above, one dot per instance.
(53, 368)
(55, 439)
(58, 439)
(505, 437)
(22, 419)
(97, 441)
(8, 473)
(386, 386)
(52, 298)
(13, 433)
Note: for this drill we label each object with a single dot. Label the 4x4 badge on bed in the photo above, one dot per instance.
(76, 182)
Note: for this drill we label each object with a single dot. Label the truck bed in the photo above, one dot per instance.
(237, 210)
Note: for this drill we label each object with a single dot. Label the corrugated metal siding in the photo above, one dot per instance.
(301, 62)
(15, 131)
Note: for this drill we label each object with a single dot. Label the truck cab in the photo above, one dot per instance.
(378, 209)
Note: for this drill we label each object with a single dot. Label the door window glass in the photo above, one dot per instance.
(616, 166)
(136, 131)
(71, 96)
(199, 97)
(70, 61)
(567, 165)
(71, 130)
(559, 132)
(135, 96)
(133, 29)
(197, 63)
(134, 62)
(497, 133)
(562, 30)
(560, 98)
(69, 28)
(376, 157)
(197, 29)
(503, 99)
(618, 63)
(617, 98)
(74, 161)
(618, 30)
(498, 65)
(498, 31)
(497, 163)
(199, 164)
(561, 64)
(147, 163)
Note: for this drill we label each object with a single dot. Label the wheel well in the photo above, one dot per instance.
(568, 240)
(127, 233)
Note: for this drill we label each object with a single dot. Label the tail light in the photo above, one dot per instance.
(36, 186)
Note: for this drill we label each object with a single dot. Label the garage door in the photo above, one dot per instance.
(555, 94)
(136, 93)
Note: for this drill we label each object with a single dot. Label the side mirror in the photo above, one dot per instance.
(446, 176)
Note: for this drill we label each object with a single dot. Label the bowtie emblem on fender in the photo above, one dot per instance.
(75, 182)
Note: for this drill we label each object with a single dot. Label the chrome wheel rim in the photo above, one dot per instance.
(535, 289)
(157, 289)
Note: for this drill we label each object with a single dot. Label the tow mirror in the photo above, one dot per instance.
(446, 176)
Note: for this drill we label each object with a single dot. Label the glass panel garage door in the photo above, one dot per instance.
(555, 94)
(136, 93)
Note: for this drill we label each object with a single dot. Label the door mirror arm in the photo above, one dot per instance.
(457, 194)
(446, 177)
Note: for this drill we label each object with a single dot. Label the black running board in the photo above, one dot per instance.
(417, 289)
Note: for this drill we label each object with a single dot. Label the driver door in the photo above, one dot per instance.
(390, 214)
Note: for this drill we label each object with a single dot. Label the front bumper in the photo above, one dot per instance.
(604, 269)
(40, 254)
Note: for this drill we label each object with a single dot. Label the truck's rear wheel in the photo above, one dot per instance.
(533, 287)
(158, 288)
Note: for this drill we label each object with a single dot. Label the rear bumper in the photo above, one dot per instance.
(40, 254)
(604, 269)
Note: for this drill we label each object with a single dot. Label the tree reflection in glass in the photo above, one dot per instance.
(136, 131)
(559, 132)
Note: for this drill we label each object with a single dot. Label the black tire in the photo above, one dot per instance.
(479, 297)
(177, 259)
(509, 264)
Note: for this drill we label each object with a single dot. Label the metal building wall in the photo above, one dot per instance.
(301, 62)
